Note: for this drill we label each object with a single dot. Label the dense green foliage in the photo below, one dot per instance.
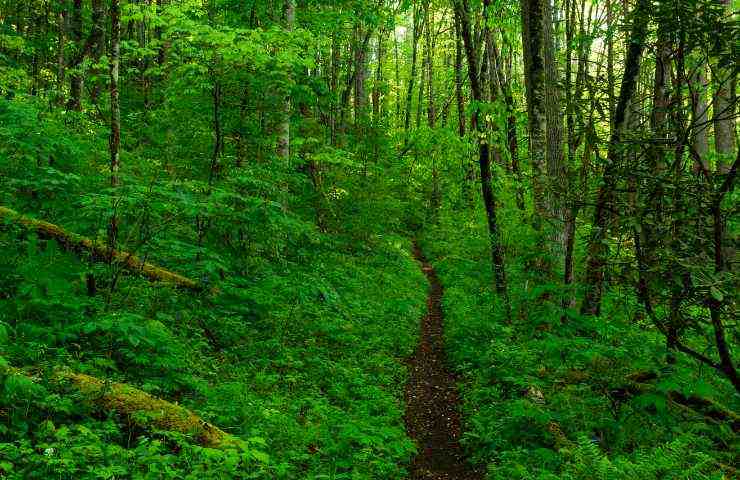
(284, 155)
(302, 357)
(524, 373)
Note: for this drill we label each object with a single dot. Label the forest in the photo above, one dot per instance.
(369, 239)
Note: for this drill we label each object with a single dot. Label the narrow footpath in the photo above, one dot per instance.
(432, 416)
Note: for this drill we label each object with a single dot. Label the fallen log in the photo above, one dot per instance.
(99, 250)
(142, 409)
(637, 384)
(705, 406)
(145, 410)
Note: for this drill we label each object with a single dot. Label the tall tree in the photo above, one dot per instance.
(115, 116)
(418, 28)
(598, 249)
(484, 158)
(725, 85)
(283, 144)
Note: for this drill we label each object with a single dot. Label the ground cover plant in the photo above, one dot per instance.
(368, 239)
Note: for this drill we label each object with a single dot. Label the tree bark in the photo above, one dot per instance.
(360, 77)
(99, 250)
(484, 160)
(459, 93)
(115, 118)
(429, 20)
(725, 82)
(534, 76)
(61, 62)
(598, 249)
(76, 78)
(699, 109)
(283, 144)
(418, 29)
(140, 408)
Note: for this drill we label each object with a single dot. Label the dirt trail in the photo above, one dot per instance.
(432, 417)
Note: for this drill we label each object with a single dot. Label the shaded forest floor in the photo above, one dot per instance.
(432, 414)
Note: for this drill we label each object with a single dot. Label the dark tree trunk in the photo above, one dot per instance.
(115, 117)
(598, 250)
(489, 199)
(76, 79)
(418, 29)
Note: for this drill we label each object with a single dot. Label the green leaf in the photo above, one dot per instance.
(716, 294)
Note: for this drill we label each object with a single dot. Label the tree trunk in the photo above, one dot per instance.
(459, 94)
(217, 131)
(115, 117)
(334, 84)
(556, 175)
(418, 28)
(360, 78)
(534, 77)
(545, 138)
(283, 144)
(725, 81)
(699, 109)
(724, 117)
(61, 44)
(610, 59)
(76, 79)
(598, 249)
(429, 20)
(489, 200)
(377, 85)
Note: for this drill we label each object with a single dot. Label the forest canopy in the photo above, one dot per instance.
(369, 239)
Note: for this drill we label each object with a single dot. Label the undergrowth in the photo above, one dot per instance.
(542, 389)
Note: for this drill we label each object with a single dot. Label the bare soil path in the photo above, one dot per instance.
(432, 416)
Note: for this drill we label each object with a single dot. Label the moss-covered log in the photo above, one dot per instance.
(99, 250)
(142, 409)
(147, 411)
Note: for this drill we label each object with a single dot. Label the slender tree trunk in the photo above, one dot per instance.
(429, 20)
(725, 81)
(489, 199)
(418, 29)
(399, 119)
(143, 41)
(661, 93)
(610, 59)
(360, 77)
(598, 249)
(727, 365)
(503, 85)
(572, 105)
(283, 146)
(699, 109)
(467, 170)
(76, 78)
(724, 117)
(115, 117)
(459, 94)
(162, 49)
(98, 38)
(377, 85)
(334, 83)
(217, 131)
(61, 44)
